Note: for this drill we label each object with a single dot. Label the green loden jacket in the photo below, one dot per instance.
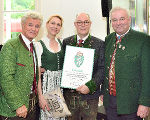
(132, 71)
(16, 76)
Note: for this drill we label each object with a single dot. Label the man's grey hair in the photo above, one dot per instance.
(33, 15)
(119, 8)
(83, 13)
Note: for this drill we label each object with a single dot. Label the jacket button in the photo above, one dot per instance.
(30, 55)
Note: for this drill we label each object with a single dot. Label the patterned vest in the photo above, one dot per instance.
(52, 61)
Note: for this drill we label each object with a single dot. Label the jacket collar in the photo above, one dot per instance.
(22, 42)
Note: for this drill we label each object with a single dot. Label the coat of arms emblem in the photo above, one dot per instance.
(78, 59)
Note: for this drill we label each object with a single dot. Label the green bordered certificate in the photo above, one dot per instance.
(78, 66)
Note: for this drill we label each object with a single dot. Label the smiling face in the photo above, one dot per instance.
(31, 28)
(120, 21)
(82, 24)
(53, 26)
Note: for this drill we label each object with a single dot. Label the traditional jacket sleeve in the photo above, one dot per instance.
(7, 77)
(98, 75)
(145, 72)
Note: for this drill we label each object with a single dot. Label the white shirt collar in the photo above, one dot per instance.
(78, 37)
(46, 40)
(123, 34)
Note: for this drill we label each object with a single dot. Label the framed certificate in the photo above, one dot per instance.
(78, 66)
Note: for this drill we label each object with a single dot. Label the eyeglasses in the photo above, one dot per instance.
(86, 23)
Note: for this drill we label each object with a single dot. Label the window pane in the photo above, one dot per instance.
(13, 11)
(16, 5)
(138, 9)
(12, 25)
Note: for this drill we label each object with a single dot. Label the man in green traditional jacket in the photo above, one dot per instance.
(126, 85)
(18, 73)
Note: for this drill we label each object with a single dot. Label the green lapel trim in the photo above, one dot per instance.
(87, 43)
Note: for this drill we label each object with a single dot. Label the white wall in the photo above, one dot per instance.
(121, 3)
(68, 10)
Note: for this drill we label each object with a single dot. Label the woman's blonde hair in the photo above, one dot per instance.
(57, 16)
